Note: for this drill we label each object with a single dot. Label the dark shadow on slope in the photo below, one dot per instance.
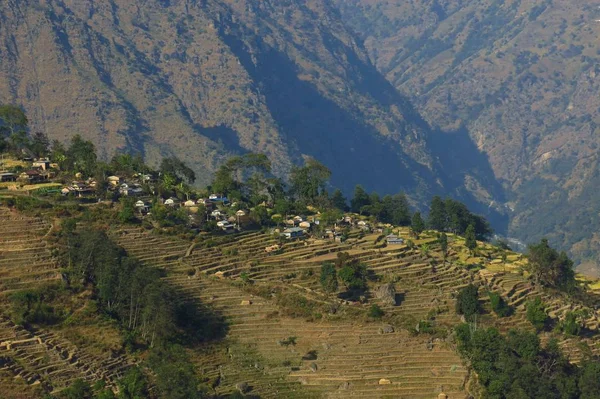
(225, 136)
(460, 157)
(199, 323)
(320, 128)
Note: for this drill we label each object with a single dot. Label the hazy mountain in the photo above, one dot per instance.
(521, 78)
(203, 79)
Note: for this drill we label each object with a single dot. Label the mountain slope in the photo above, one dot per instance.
(521, 77)
(206, 79)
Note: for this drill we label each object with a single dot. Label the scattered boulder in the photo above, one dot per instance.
(313, 367)
(442, 395)
(220, 275)
(385, 381)
(243, 387)
(387, 329)
(386, 293)
(310, 355)
(345, 386)
(246, 303)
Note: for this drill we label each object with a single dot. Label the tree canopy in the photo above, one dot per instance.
(308, 181)
(550, 268)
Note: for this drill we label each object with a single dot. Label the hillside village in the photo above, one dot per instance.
(118, 279)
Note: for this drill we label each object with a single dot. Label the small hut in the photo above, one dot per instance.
(304, 225)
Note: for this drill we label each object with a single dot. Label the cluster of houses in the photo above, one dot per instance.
(41, 170)
(80, 188)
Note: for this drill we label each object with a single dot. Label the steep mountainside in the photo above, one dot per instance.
(521, 77)
(204, 79)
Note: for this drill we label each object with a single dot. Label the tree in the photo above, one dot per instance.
(40, 144)
(550, 268)
(437, 215)
(58, 154)
(79, 389)
(589, 379)
(127, 212)
(176, 168)
(395, 210)
(12, 119)
(133, 385)
(570, 325)
(499, 306)
(175, 373)
(470, 239)
(443, 240)
(329, 281)
(338, 200)
(417, 224)
(308, 182)
(354, 276)
(359, 200)
(223, 182)
(330, 216)
(524, 343)
(536, 313)
(81, 156)
(467, 302)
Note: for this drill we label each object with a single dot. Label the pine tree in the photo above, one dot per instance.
(470, 239)
(361, 198)
(338, 200)
(438, 218)
(417, 225)
(401, 210)
(329, 281)
(444, 245)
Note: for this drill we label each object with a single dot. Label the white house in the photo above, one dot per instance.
(172, 202)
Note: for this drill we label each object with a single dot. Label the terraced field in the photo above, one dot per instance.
(25, 257)
(42, 358)
(351, 358)
(279, 356)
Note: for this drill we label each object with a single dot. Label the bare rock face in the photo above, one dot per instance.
(386, 293)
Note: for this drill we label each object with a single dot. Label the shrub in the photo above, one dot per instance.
(536, 314)
(376, 312)
(499, 306)
(79, 389)
(570, 325)
(288, 341)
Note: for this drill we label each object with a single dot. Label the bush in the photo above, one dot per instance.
(570, 325)
(33, 306)
(499, 306)
(79, 389)
(536, 314)
(376, 312)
